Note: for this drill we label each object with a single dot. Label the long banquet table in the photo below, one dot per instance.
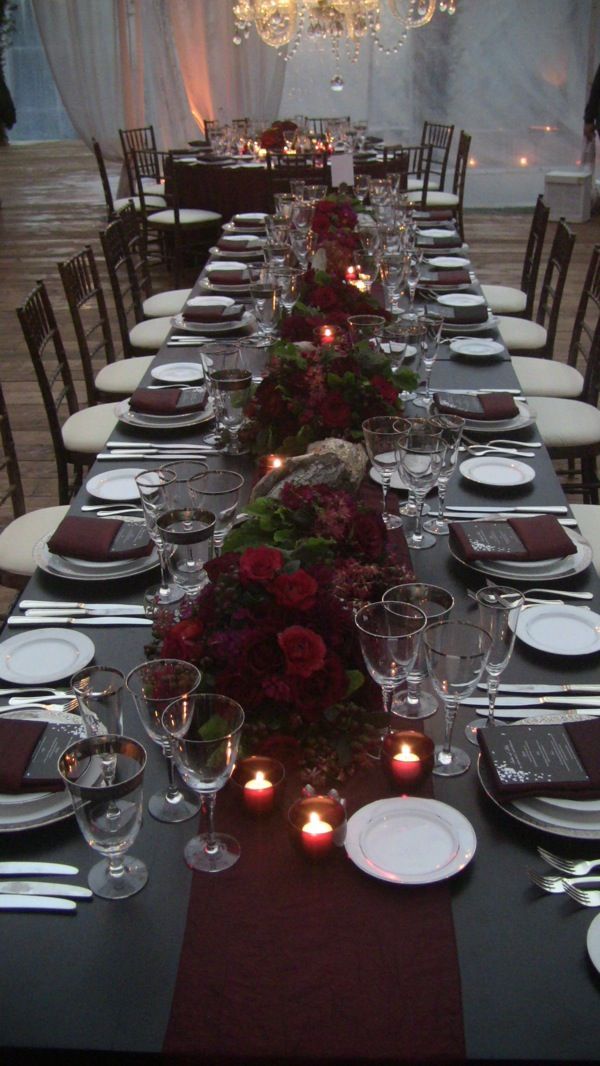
(106, 978)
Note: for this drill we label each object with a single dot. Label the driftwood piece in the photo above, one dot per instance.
(329, 462)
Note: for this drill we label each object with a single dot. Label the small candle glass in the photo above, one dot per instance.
(318, 825)
(407, 759)
(351, 274)
(327, 335)
(267, 463)
(259, 780)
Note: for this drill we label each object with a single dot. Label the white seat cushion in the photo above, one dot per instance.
(154, 202)
(20, 537)
(547, 377)
(442, 199)
(188, 216)
(88, 430)
(520, 333)
(588, 519)
(153, 188)
(124, 376)
(504, 300)
(566, 423)
(170, 302)
(151, 334)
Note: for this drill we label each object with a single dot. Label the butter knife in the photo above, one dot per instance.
(62, 620)
(534, 712)
(531, 701)
(36, 903)
(69, 605)
(540, 690)
(33, 869)
(44, 888)
(545, 509)
(79, 612)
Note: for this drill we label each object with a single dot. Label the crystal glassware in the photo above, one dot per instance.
(381, 439)
(392, 268)
(188, 534)
(184, 470)
(218, 491)
(212, 355)
(436, 603)
(153, 487)
(204, 730)
(499, 609)
(289, 281)
(451, 427)
(266, 299)
(430, 342)
(109, 814)
(154, 685)
(230, 384)
(456, 654)
(413, 275)
(419, 454)
(367, 328)
(361, 187)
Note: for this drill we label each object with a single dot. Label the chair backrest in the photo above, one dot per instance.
(132, 140)
(87, 305)
(124, 288)
(136, 247)
(320, 125)
(11, 486)
(440, 138)
(312, 169)
(533, 253)
(584, 348)
(553, 283)
(108, 196)
(53, 373)
(409, 161)
(460, 176)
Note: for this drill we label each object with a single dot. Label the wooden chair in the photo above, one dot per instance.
(320, 126)
(413, 165)
(505, 300)
(137, 334)
(113, 206)
(310, 168)
(522, 335)
(20, 536)
(454, 200)
(77, 435)
(115, 378)
(141, 139)
(154, 305)
(439, 138)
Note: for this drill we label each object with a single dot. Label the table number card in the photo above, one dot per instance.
(42, 769)
(493, 539)
(342, 170)
(463, 402)
(530, 754)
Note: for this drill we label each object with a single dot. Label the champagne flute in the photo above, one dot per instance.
(412, 279)
(419, 453)
(451, 433)
(381, 438)
(436, 603)
(456, 655)
(499, 609)
(204, 730)
(430, 342)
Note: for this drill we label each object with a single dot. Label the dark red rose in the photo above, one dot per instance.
(227, 564)
(235, 685)
(260, 565)
(323, 689)
(262, 654)
(184, 640)
(369, 533)
(324, 297)
(296, 591)
(304, 650)
(335, 412)
(386, 390)
(296, 328)
(271, 401)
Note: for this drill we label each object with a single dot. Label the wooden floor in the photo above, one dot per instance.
(52, 205)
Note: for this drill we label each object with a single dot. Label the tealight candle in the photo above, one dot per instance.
(267, 463)
(406, 765)
(351, 274)
(259, 794)
(317, 836)
(407, 758)
(317, 825)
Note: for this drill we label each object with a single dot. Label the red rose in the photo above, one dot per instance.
(296, 591)
(304, 650)
(335, 412)
(183, 641)
(260, 565)
(262, 654)
(321, 690)
(386, 390)
(369, 533)
(271, 401)
(324, 298)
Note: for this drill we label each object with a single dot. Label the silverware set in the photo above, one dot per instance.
(572, 879)
(29, 895)
(71, 612)
(120, 450)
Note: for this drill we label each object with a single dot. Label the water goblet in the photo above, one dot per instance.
(284, 201)
(214, 355)
(389, 635)
(153, 686)
(188, 533)
(456, 654)
(361, 187)
(109, 813)
(276, 255)
(99, 690)
(499, 609)
(381, 438)
(302, 213)
(367, 328)
(370, 239)
(412, 278)
(392, 267)
(230, 384)
(297, 188)
(204, 730)
(314, 193)
(289, 280)
(153, 487)
(419, 454)
(266, 300)
(219, 492)
(436, 603)
(430, 343)
(184, 470)
(451, 433)
(277, 227)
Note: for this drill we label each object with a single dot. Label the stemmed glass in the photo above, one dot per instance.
(214, 356)
(153, 487)
(499, 609)
(189, 535)
(381, 438)
(204, 730)
(230, 384)
(456, 654)
(219, 492)
(430, 342)
(98, 690)
(266, 298)
(184, 470)
(361, 187)
(392, 268)
(419, 454)
(109, 813)
(289, 281)
(389, 634)
(412, 278)
(154, 685)
(451, 432)
(436, 603)
(366, 328)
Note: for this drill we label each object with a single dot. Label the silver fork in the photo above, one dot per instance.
(568, 866)
(558, 883)
(587, 897)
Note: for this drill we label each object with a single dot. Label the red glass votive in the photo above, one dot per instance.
(267, 463)
(407, 759)
(352, 274)
(259, 780)
(326, 335)
(317, 825)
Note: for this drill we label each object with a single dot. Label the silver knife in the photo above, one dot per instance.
(556, 509)
(71, 605)
(475, 515)
(36, 903)
(80, 612)
(63, 620)
(44, 888)
(534, 712)
(482, 392)
(138, 444)
(539, 690)
(33, 869)
(531, 701)
(120, 456)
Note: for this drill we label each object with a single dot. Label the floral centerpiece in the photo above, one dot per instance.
(326, 298)
(273, 138)
(335, 222)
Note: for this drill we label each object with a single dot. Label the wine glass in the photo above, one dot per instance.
(436, 603)
(289, 281)
(499, 609)
(219, 492)
(361, 187)
(430, 342)
(392, 268)
(381, 438)
(154, 685)
(109, 813)
(451, 432)
(98, 690)
(419, 454)
(188, 533)
(266, 298)
(389, 634)
(413, 275)
(367, 328)
(153, 487)
(184, 470)
(456, 654)
(204, 730)
(230, 383)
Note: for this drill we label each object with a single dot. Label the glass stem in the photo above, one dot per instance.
(210, 800)
(173, 795)
(386, 477)
(418, 530)
(413, 694)
(164, 573)
(442, 487)
(493, 683)
(427, 393)
(387, 698)
(451, 707)
(116, 868)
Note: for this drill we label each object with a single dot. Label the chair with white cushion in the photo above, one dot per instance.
(154, 305)
(77, 435)
(153, 203)
(137, 334)
(588, 520)
(506, 300)
(20, 536)
(454, 200)
(142, 138)
(522, 335)
(439, 138)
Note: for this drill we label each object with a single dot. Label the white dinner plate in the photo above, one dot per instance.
(477, 348)
(44, 655)
(396, 481)
(546, 569)
(593, 942)
(410, 841)
(436, 231)
(178, 372)
(226, 254)
(461, 299)
(448, 262)
(213, 303)
(560, 629)
(474, 327)
(525, 417)
(207, 328)
(116, 484)
(144, 421)
(82, 570)
(497, 470)
(208, 286)
(407, 351)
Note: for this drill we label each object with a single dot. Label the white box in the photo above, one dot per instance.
(568, 194)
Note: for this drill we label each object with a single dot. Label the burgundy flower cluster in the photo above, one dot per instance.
(272, 139)
(326, 298)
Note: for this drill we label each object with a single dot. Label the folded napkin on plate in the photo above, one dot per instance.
(465, 316)
(241, 243)
(18, 742)
(168, 401)
(561, 760)
(216, 313)
(446, 278)
(217, 275)
(99, 540)
(530, 539)
(249, 221)
(485, 407)
(449, 240)
(433, 216)
(442, 224)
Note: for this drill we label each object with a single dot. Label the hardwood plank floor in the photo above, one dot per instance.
(52, 205)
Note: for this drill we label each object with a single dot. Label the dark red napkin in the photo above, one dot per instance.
(491, 407)
(448, 277)
(467, 316)
(228, 277)
(585, 738)
(168, 401)
(521, 539)
(233, 313)
(92, 539)
(18, 741)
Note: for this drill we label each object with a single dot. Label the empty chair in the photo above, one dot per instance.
(439, 138)
(454, 200)
(506, 300)
(520, 334)
(310, 168)
(141, 138)
(85, 297)
(77, 435)
(322, 125)
(153, 203)
(413, 165)
(137, 334)
(27, 528)
(154, 305)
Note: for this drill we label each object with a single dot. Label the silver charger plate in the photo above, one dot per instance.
(525, 417)
(142, 421)
(556, 569)
(82, 570)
